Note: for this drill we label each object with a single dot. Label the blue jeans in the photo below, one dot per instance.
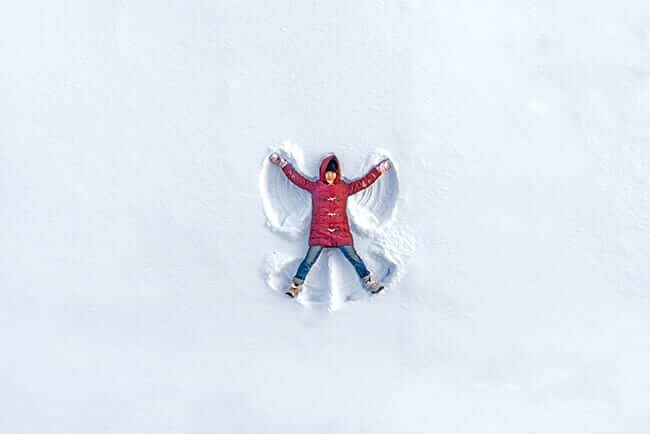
(314, 252)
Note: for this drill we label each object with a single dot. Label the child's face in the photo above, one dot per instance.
(330, 177)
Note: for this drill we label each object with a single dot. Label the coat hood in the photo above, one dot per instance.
(323, 166)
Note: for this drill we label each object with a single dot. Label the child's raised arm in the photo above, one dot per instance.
(291, 173)
(370, 177)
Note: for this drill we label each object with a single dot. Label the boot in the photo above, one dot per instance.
(372, 285)
(294, 289)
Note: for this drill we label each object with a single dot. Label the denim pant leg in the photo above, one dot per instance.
(310, 259)
(352, 256)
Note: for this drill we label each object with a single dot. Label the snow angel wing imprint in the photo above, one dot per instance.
(286, 207)
(374, 208)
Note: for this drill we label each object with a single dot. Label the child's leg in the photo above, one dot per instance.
(352, 256)
(310, 259)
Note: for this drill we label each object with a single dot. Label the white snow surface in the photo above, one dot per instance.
(137, 248)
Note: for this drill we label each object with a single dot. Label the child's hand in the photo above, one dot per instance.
(385, 165)
(277, 160)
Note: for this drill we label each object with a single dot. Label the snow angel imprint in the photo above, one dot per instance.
(329, 220)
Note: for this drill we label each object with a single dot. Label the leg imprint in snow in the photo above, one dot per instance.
(371, 209)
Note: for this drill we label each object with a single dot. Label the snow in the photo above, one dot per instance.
(139, 254)
(287, 208)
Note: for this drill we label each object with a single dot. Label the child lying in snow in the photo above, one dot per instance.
(329, 219)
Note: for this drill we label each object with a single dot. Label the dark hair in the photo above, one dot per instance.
(332, 166)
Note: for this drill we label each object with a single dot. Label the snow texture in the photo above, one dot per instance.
(332, 281)
(136, 257)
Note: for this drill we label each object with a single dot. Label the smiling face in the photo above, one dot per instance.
(330, 177)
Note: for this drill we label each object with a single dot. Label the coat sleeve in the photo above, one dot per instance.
(297, 178)
(365, 182)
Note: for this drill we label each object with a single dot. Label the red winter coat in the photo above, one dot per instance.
(329, 219)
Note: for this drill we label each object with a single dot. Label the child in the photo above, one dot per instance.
(329, 220)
